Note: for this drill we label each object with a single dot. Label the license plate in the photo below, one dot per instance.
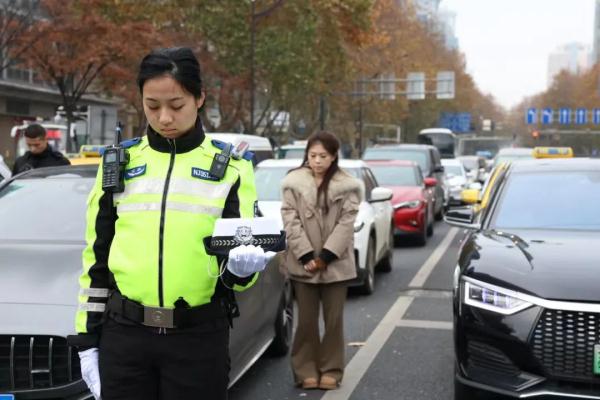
(7, 397)
(596, 359)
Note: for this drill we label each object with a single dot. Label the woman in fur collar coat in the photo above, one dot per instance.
(320, 203)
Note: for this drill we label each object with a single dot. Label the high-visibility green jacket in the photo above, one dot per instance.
(147, 241)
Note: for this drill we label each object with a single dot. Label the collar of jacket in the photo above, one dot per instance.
(187, 142)
(48, 152)
(302, 181)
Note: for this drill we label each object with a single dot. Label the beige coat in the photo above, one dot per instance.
(309, 229)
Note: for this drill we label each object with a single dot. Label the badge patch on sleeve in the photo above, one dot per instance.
(203, 174)
(134, 172)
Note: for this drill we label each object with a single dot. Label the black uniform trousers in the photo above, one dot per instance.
(138, 362)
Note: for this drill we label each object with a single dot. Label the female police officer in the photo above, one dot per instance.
(153, 316)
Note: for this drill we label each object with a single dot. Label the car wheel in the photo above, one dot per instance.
(368, 286)
(440, 214)
(284, 323)
(421, 238)
(385, 265)
(430, 228)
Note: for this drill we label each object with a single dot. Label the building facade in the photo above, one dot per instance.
(573, 57)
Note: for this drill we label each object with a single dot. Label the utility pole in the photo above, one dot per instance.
(252, 77)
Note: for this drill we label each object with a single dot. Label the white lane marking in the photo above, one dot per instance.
(415, 323)
(362, 360)
(427, 268)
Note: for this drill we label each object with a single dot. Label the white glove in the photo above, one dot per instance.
(89, 370)
(246, 260)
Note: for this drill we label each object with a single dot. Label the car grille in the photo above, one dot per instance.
(563, 342)
(36, 362)
(487, 357)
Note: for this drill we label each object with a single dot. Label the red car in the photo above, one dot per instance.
(413, 197)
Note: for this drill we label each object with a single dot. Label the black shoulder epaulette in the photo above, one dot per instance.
(131, 142)
(221, 145)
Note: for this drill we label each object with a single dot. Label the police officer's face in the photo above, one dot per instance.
(36, 145)
(170, 109)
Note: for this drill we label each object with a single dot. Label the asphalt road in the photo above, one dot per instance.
(399, 339)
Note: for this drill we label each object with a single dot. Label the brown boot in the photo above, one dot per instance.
(328, 383)
(310, 383)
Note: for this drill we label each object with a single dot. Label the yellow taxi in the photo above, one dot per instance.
(480, 198)
(88, 154)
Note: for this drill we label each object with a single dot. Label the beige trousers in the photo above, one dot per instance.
(312, 356)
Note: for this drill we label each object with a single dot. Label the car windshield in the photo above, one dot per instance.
(557, 200)
(382, 153)
(387, 175)
(454, 170)
(42, 209)
(292, 153)
(511, 157)
(268, 181)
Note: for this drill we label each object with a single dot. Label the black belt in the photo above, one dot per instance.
(160, 317)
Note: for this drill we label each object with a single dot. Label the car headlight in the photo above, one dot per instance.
(358, 226)
(493, 298)
(408, 204)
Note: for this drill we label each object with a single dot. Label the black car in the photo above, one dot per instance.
(527, 285)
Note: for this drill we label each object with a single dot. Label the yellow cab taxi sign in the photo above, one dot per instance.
(552, 152)
(88, 154)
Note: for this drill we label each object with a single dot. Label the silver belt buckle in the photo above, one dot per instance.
(158, 317)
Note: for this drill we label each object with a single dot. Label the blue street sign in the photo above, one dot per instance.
(456, 122)
(596, 116)
(531, 117)
(581, 116)
(547, 116)
(564, 116)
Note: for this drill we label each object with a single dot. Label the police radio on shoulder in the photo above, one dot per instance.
(114, 160)
(221, 160)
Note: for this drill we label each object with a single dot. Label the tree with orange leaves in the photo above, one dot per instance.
(78, 42)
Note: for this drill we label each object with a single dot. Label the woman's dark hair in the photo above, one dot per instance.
(177, 62)
(332, 145)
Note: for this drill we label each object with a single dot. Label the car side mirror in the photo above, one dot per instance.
(438, 168)
(430, 182)
(461, 217)
(381, 194)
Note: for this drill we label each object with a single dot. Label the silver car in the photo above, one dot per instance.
(41, 240)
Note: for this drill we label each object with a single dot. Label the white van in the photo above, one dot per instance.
(259, 145)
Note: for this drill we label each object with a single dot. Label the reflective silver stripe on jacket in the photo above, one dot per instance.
(93, 292)
(92, 307)
(171, 205)
(191, 187)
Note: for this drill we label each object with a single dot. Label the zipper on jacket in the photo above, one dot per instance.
(161, 232)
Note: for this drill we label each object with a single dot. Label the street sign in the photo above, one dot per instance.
(415, 86)
(531, 117)
(547, 116)
(456, 122)
(445, 85)
(564, 116)
(387, 86)
(581, 116)
(596, 116)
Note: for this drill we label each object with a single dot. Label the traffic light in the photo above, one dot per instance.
(535, 134)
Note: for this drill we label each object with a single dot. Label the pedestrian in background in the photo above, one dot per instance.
(154, 308)
(40, 153)
(320, 203)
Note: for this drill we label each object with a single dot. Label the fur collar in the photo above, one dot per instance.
(301, 181)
